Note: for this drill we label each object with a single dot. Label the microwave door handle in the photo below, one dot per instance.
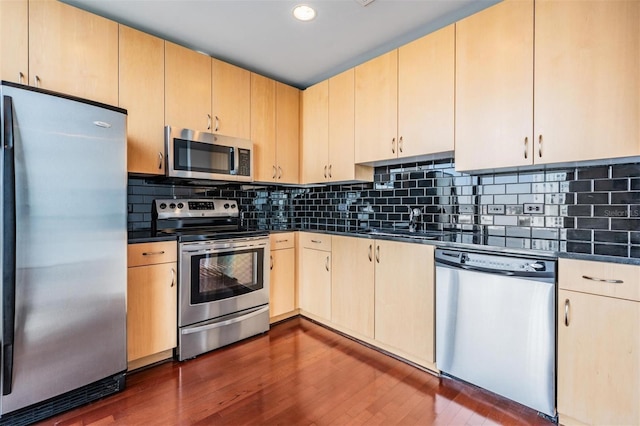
(235, 161)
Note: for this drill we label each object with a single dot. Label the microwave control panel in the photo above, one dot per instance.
(244, 162)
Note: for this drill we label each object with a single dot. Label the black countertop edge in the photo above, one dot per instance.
(146, 236)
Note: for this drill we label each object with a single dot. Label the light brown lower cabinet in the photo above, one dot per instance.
(151, 302)
(282, 281)
(598, 343)
(314, 283)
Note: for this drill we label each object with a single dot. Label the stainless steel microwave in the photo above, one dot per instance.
(199, 155)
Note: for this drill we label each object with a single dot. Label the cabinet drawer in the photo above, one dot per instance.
(282, 240)
(315, 241)
(602, 278)
(151, 253)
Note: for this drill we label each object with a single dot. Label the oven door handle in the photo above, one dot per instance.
(225, 323)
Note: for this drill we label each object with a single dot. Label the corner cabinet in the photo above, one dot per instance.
(141, 80)
(598, 343)
(72, 51)
(275, 115)
(404, 100)
(584, 58)
(282, 281)
(151, 302)
(314, 282)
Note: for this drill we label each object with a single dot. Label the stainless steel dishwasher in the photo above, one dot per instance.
(495, 324)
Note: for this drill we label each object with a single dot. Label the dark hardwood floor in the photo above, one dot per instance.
(298, 374)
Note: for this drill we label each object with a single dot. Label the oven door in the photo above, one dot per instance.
(222, 277)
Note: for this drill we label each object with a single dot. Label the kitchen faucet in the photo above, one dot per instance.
(414, 215)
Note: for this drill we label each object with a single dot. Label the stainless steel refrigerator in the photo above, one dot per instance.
(64, 237)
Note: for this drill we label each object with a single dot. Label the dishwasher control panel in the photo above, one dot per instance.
(507, 264)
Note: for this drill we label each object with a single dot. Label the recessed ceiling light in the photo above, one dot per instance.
(303, 12)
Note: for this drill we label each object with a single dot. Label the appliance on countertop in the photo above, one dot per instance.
(223, 273)
(64, 252)
(498, 312)
(190, 154)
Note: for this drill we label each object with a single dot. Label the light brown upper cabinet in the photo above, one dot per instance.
(578, 102)
(275, 115)
(141, 81)
(231, 100)
(14, 41)
(404, 100)
(187, 88)
(73, 51)
(328, 138)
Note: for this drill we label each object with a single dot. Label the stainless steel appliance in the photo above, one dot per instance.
(64, 245)
(223, 285)
(197, 155)
(495, 324)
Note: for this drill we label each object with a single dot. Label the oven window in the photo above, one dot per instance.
(202, 157)
(218, 276)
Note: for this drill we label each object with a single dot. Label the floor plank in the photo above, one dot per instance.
(297, 374)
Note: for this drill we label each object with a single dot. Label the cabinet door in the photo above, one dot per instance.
(141, 81)
(376, 108)
(587, 103)
(151, 309)
(598, 359)
(282, 292)
(14, 41)
(287, 133)
(404, 297)
(231, 99)
(352, 284)
(494, 87)
(187, 88)
(315, 282)
(315, 133)
(263, 128)
(342, 126)
(426, 94)
(73, 51)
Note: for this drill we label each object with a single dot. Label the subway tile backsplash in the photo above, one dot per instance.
(592, 210)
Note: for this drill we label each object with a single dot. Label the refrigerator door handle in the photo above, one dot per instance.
(8, 245)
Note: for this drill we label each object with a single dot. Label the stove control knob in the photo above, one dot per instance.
(180, 205)
(172, 206)
(233, 206)
(163, 205)
(226, 205)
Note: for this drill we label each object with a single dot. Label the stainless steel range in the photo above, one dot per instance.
(223, 285)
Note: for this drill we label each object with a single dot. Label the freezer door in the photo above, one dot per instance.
(70, 248)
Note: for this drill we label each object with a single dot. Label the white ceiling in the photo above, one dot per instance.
(262, 36)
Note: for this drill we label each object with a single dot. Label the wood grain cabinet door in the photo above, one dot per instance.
(287, 134)
(494, 87)
(231, 100)
(14, 41)
(141, 80)
(315, 133)
(73, 51)
(587, 90)
(263, 128)
(282, 282)
(315, 283)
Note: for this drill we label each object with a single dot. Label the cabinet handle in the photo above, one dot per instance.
(316, 241)
(271, 262)
(540, 146)
(152, 253)
(602, 280)
(400, 143)
(36, 81)
(330, 171)
(325, 171)
(217, 124)
(526, 145)
(160, 160)
(173, 277)
(20, 77)
(282, 241)
(326, 264)
(208, 121)
(393, 145)
(377, 254)
(274, 172)
(279, 172)
(566, 312)
(370, 252)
